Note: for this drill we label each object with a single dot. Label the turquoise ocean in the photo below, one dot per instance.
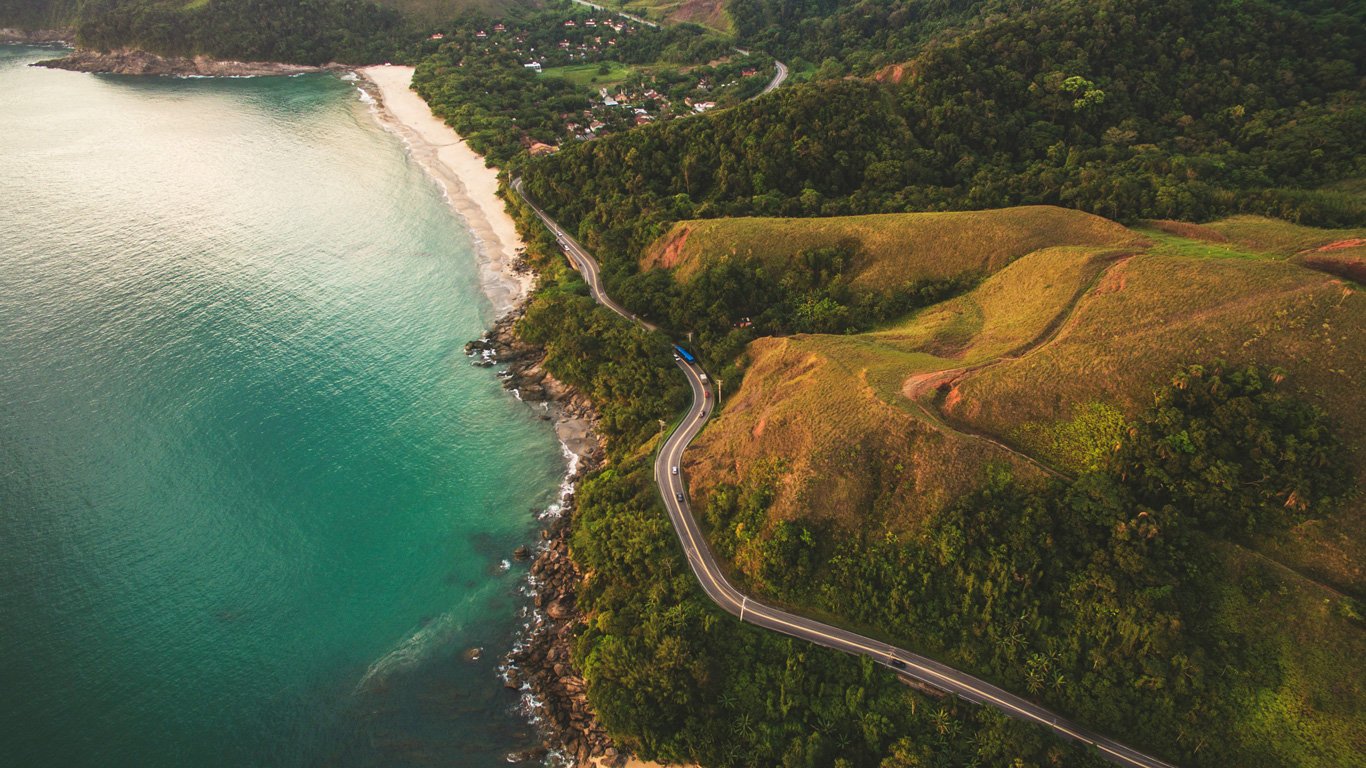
(254, 501)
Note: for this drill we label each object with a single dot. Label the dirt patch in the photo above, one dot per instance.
(1351, 242)
(670, 253)
(759, 428)
(1114, 281)
(893, 74)
(922, 384)
(708, 13)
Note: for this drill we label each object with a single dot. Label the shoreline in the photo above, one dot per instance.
(538, 665)
(470, 186)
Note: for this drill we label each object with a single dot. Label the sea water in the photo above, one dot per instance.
(255, 502)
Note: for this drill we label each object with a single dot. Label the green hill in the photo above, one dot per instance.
(889, 248)
(1043, 367)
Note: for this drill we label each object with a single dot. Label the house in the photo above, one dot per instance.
(499, 28)
(534, 66)
(570, 23)
(702, 106)
(437, 36)
(643, 119)
(481, 34)
(748, 72)
(539, 149)
(590, 23)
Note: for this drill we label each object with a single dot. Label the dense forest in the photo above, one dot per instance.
(857, 37)
(295, 31)
(1186, 109)
(37, 14)
(299, 31)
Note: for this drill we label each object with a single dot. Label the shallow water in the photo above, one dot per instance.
(253, 498)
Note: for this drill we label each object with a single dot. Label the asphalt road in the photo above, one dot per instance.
(778, 77)
(674, 491)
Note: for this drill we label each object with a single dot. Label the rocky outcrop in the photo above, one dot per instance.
(134, 62)
(542, 660)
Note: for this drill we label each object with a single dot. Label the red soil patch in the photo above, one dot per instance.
(922, 383)
(1351, 242)
(672, 252)
(710, 13)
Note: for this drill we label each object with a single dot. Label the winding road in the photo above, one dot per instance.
(669, 478)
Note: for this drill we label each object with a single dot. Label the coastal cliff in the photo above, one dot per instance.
(137, 62)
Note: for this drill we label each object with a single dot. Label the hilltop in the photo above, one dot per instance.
(1039, 371)
(889, 248)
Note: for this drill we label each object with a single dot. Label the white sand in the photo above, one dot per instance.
(471, 187)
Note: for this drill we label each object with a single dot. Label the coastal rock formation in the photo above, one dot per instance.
(542, 661)
(134, 62)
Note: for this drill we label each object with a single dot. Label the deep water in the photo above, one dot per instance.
(253, 497)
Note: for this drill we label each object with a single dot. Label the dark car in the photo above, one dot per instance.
(679, 495)
(898, 664)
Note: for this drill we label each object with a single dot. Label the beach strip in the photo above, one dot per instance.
(471, 186)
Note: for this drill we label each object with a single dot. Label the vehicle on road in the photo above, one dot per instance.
(898, 664)
(686, 355)
(675, 470)
(679, 495)
(706, 393)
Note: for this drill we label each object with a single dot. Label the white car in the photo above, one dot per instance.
(675, 470)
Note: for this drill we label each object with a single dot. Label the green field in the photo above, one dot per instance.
(591, 76)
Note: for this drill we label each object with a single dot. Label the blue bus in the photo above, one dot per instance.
(683, 353)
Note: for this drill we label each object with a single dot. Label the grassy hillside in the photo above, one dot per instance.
(1050, 359)
(891, 248)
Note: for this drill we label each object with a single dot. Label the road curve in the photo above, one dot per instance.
(749, 610)
(778, 77)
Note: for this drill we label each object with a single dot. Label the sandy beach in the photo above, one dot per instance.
(470, 185)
